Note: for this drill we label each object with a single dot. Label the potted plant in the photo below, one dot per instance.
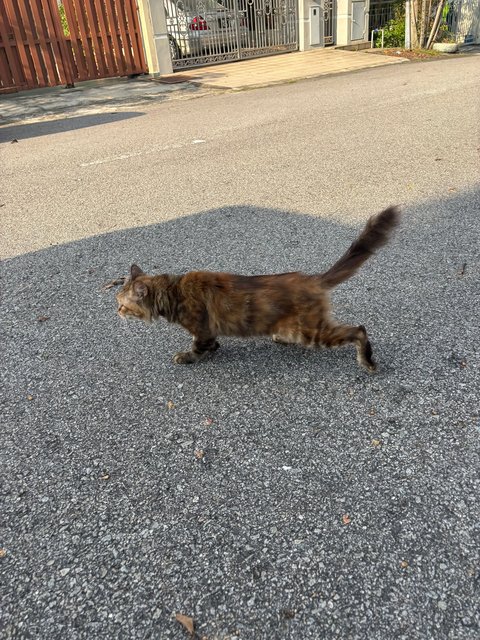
(446, 42)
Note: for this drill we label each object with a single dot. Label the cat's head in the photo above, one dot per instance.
(135, 298)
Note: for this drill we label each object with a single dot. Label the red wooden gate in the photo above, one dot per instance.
(45, 44)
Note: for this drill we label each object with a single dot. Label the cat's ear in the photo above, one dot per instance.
(135, 271)
(140, 290)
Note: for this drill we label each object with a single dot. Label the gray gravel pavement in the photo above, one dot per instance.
(269, 492)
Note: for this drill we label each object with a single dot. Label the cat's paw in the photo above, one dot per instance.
(279, 340)
(184, 357)
(371, 367)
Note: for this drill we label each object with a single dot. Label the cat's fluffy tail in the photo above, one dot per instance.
(376, 233)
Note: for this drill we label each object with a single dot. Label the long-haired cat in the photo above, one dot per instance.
(290, 307)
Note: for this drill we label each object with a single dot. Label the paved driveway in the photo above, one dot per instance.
(270, 492)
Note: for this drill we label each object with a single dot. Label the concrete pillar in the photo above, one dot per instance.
(347, 31)
(344, 22)
(153, 24)
(302, 25)
(305, 25)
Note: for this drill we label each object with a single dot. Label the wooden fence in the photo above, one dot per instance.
(97, 39)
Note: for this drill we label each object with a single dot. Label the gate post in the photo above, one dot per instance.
(344, 22)
(153, 23)
(302, 25)
(310, 35)
(352, 21)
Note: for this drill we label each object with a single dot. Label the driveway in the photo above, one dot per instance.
(268, 492)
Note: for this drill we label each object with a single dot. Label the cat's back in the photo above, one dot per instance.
(238, 305)
(217, 282)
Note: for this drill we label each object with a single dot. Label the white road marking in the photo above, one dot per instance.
(135, 154)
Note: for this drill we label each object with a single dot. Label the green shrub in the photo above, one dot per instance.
(394, 34)
(63, 19)
(394, 29)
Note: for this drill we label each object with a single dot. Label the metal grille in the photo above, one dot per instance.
(204, 32)
(328, 17)
(452, 16)
(381, 12)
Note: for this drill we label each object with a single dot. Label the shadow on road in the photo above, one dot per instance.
(37, 129)
(253, 489)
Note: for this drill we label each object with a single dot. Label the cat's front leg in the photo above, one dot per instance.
(200, 348)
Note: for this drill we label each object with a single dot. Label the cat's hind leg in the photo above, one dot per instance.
(336, 335)
(287, 332)
(200, 348)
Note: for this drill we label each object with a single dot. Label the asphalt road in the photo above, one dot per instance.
(270, 492)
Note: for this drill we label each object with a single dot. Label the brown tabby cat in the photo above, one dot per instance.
(290, 307)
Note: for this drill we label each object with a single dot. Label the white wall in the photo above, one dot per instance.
(342, 22)
(469, 20)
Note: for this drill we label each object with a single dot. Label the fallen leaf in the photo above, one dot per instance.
(372, 412)
(29, 397)
(170, 405)
(199, 453)
(451, 189)
(463, 363)
(105, 476)
(376, 443)
(186, 621)
(207, 422)
(3, 553)
(404, 564)
(346, 519)
(14, 141)
(43, 318)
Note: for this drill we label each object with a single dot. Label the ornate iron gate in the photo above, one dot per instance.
(205, 32)
(328, 16)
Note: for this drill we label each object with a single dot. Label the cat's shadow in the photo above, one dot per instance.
(64, 284)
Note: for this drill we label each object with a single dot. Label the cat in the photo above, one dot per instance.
(290, 307)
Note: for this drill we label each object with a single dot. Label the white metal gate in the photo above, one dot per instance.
(203, 32)
(358, 20)
(328, 19)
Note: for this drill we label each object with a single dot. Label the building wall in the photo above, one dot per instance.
(305, 24)
(343, 16)
(469, 20)
(347, 11)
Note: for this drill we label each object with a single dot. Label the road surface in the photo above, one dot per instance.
(268, 492)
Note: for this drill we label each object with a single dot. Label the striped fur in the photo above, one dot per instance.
(290, 307)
